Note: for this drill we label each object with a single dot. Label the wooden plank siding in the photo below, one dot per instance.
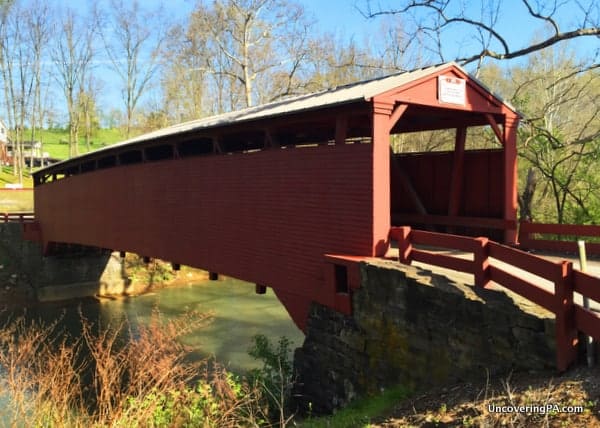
(265, 217)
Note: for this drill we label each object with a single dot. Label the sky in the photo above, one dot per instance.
(343, 18)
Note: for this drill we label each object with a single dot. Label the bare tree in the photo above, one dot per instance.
(39, 35)
(560, 135)
(255, 49)
(184, 80)
(23, 35)
(72, 54)
(133, 39)
(336, 62)
(7, 35)
(87, 109)
(433, 18)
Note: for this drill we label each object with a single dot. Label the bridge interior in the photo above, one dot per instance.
(264, 194)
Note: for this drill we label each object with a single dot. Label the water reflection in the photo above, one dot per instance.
(239, 314)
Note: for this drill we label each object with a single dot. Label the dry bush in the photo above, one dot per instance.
(40, 375)
(130, 366)
(118, 376)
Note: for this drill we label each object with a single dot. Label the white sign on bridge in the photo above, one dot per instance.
(452, 90)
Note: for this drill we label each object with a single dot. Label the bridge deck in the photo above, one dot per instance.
(593, 268)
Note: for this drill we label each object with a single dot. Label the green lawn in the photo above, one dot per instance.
(55, 141)
(360, 413)
(6, 176)
(15, 200)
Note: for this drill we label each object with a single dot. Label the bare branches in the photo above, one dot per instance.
(72, 54)
(561, 133)
(434, 16)
(534, 47)
(133, 33)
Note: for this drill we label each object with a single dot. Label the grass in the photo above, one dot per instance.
(15, 200)
(6, 177)
(361, 413)
(55, 141)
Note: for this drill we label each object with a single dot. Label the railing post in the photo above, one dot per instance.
(524, 234)
(566, 331)
(481, 262)
(404, 245)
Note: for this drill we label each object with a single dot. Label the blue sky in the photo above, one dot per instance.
(343, 19)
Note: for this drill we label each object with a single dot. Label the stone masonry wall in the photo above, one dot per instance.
(31, 275)
(418, 329)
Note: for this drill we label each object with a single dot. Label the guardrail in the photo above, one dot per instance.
(527, 239)
(570, 316)
(17, 217)
(446, 220)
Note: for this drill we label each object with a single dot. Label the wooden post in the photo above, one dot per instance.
(589, 341)
(566, 332)
(341, 129)
(510, 178)
(382, 111)
(481, 263)
(404, 245)
(213, 276)
(457, 172)
(260, 289)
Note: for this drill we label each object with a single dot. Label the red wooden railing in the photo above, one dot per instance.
(527, 239)
(570, 316)
(17, 217)
(446, 220)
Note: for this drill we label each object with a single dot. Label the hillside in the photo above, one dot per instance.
(472, 405)
(55, 141)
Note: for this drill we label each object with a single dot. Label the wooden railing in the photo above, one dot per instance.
(17, 217)
(570, 316)
(527, 239)
(445, 220)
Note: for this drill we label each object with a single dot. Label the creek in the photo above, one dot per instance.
(238, 314)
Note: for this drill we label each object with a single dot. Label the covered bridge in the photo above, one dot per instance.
(265, 193)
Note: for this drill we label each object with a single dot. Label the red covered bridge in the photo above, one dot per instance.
(264, 194)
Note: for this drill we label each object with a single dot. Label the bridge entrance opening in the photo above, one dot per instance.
(448, 180)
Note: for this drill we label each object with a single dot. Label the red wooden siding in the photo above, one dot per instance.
(265, 217)
(430, 174)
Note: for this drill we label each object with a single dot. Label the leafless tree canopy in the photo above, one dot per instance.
(434, 18)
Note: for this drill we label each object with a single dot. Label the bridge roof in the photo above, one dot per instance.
(353, 93)
(358, 91)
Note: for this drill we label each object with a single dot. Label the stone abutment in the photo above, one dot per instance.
(418, 329)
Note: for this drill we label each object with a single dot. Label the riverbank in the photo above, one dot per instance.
(142, 277)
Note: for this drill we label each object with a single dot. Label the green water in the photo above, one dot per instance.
(239, 314)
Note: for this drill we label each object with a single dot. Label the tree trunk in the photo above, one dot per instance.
(526, 198)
